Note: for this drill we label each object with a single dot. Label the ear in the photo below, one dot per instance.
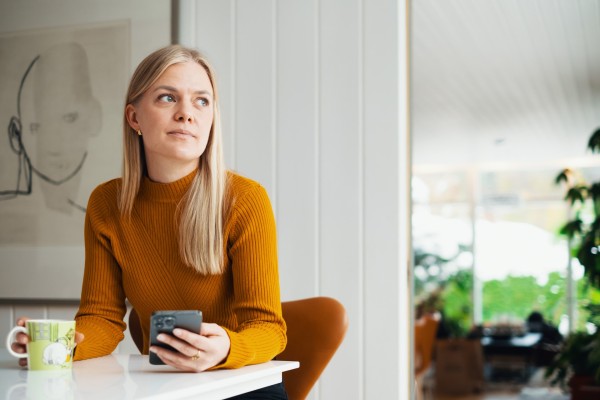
(14, 135)
(131, 115)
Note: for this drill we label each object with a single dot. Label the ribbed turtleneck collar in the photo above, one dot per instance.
(172, 191)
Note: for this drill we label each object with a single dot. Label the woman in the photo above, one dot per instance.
(178, 231)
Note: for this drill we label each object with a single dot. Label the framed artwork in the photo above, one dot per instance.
(63, 80)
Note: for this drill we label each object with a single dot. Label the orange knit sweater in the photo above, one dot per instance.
(138, 259)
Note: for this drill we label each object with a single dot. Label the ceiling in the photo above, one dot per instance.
(504, 81)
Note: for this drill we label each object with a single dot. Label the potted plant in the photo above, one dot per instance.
(576, 368)
(577, 365)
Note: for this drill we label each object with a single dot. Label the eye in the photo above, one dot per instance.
(71, 117)
(202, 101)
(167, 98)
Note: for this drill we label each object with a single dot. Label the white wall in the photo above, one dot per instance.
(314, 102)
(314, 98)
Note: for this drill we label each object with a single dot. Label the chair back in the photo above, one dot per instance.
(316, 327)
(425, 331)
(135, 330)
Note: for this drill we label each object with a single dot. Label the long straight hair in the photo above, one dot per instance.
(202, 209)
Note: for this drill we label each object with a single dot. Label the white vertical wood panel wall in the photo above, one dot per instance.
(387, 232)
(314, 104)
(314, 99)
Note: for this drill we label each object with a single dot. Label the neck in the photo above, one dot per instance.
(170, 172)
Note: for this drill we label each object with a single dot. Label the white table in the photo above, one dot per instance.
(130, 376)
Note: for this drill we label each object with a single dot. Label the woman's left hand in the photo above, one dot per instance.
(196, 352)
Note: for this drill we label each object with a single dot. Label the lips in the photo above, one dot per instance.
(181, 133)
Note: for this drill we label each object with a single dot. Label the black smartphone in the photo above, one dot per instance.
(166, 321)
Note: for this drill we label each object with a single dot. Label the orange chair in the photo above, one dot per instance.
(135, 330)
(315, 329)
(425, 331)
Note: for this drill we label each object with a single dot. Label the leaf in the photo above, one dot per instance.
(589, 256)
(563, 176)
(594, 141)
(575, 194)
(594, 190)
(571, 228)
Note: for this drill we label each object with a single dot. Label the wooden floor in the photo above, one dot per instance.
(535, 389)
(508, 395)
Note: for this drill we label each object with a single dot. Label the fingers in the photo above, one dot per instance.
(197, 341)
(194, 352)
(180, 361)
(20, 344)
(21, 338)
(79, 337)
(196, 363)
(183, 346)
(18, 348)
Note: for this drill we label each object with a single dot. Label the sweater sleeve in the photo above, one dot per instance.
(252, 251)
(102, 306)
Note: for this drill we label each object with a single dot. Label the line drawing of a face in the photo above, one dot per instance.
(65, 111)
(57, 115)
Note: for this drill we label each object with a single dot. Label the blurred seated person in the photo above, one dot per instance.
(476, 332)
(535, 323)
(548, 346)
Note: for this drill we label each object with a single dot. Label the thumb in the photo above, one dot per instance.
(208, 329)
(79, 337)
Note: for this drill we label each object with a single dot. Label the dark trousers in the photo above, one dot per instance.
(275, 392)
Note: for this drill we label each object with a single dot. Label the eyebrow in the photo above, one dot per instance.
(173, 89)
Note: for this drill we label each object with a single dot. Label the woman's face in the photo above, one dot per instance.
(175, 116)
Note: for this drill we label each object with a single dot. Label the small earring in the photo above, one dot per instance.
(139, 132)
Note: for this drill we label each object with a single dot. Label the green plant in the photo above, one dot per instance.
(580, 353)
(458, 303)
(584, 236)
(452, 298)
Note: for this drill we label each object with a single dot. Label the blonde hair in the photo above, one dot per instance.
(202, 209)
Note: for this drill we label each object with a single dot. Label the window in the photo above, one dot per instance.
(498, 227)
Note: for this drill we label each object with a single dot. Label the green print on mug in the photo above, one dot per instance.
(51, 344)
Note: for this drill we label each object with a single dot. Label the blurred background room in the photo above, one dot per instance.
(505, 96)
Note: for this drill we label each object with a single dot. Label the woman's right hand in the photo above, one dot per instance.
(21, 340)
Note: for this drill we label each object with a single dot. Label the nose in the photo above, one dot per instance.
(184, 115)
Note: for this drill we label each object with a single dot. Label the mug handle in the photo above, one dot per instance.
(9, 341)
